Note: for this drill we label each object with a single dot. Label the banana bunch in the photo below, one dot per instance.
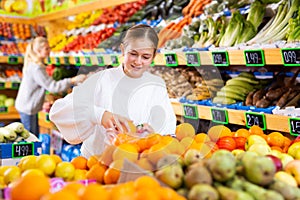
(207, 89)
(237, 88)
(13, 132)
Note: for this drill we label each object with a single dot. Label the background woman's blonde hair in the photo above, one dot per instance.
(31, 51)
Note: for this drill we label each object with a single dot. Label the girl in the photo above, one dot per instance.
(35, 82)
(107, 100)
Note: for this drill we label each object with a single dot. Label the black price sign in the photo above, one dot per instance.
(13, 60)
(171, 59)
(49, 60)
(114, 60)
(294, 124)
(88, 61)
(15, 85)
(3, 109)
(255, 119)
(100, 60)
(190, 111)
(22, 149)
(77, 61)
(57, 60)
(66, 60)
(219, 115)
(192, 59)
(254, 57)
(290, 57)
(2, 85)
(220, 58)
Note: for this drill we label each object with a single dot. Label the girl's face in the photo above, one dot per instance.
(138, 55)
(44, 51)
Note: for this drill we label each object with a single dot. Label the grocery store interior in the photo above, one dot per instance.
(231, 71)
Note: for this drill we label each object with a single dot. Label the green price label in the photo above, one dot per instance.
(220, 58)
(219, 115)
(88, 61)
(3, 109)
(2, 85)
(114, 60)
(100, 60)
(57, 61)
(190, 111)
(254, 57)
(192, 59)
(22, 149)
(13, 60)
(258, 119)
(294, 124)
(66, 60)
(15, 85)
(77, 61)
(171, 59)
(291, 56)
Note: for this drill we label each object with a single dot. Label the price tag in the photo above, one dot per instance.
(220, 58)
(255, 119)
(2, 85)
(190, 111)
(290, 57)
(57, 61)
(171, 59)
(66, 60)
(3, 109)
(294, 124)
(114, 60)
(49, 60)
(13, 60)
(192, 59)
(219, 115)
(100, 60)
(88, 61)
(15, 85)
(22, 149)
(77, 61)
(47, 117)
(254, 57)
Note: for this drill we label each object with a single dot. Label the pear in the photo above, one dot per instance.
(197, 175)
(236, 183)
(287, 191)
(227, 193)
(273, 195)
(261, 170)
(203, 192)
(171, 175)
(170, 159)
(222, 165)
(191, 156)
(254, 190)
(183, 192)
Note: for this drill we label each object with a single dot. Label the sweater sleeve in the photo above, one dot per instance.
(45, 81)
(76, 115)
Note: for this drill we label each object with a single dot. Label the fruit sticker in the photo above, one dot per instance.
(258, 119)
(22, 149)
(294, 124)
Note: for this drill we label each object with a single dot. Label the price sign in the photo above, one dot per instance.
(22, 149)
(100, 60)
(294, 124)
(88, 61)
(3, 109)
(66, 60)
(49, 60)
(219, 115)
(220, 58)
(192, 59)
(47, 117)
(171, 59)
(190, 111)
(290, 57)
(57, 60)
(13, 60)
(77, 61)
(255, 119)
(15, 85)
(114, 60)
(2, 85)
(254, 57)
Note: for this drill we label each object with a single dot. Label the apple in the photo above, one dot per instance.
(294, 148)
(254, 139)
(277, 162)
(276, 153)
(260, 148)
(285, 159)
(293, 168)
(286, 178)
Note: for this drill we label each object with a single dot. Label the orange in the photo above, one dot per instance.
(79, 162)
(121, 138)
(146, 182)
(201, 137)
(123, 191)
(30, 187)
(146, 194)
(56, 158)
(128, 151)
(142, 143)
(111, 176)
(92, 161)
(156, 152)
(93, 191)
(167, 193)
(153, 139)
(96, 172)
(61, 195)
(73, 186)
(184, 130)
(242, 132)
(287, 142)
(277, 148)
(145, 164)
(218, 131)
(275, 139)
(256, 130)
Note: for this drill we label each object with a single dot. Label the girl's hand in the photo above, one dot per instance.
(114, 122)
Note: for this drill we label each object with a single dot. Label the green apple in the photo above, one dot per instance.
(260, 149)
(294, 148)
(286, 178)
(236, 152)
(285, 159)
(254, 139)
(293, 168)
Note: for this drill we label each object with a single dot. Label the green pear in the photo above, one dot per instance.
(171, 175)
(288, 192)
(273, 195)
(261, 170)
(222, 165)
(254, 190)
(227, 193)
(191, 156)
(203, 192)
(197, 175)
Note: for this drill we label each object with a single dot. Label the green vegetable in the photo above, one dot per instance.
(293, 32)
(248, 33)
(256, 13)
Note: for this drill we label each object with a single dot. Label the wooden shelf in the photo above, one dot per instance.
(10, 115)
(273, 122)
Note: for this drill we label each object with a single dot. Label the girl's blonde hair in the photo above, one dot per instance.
(31, 51)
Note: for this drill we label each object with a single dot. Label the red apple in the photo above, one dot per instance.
(277, 162)
(293, 168)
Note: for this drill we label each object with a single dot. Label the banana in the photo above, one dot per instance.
(240, 83)
(248, 80)
(247, 75)
(231, 95)
(223, 100)
(235, 89)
